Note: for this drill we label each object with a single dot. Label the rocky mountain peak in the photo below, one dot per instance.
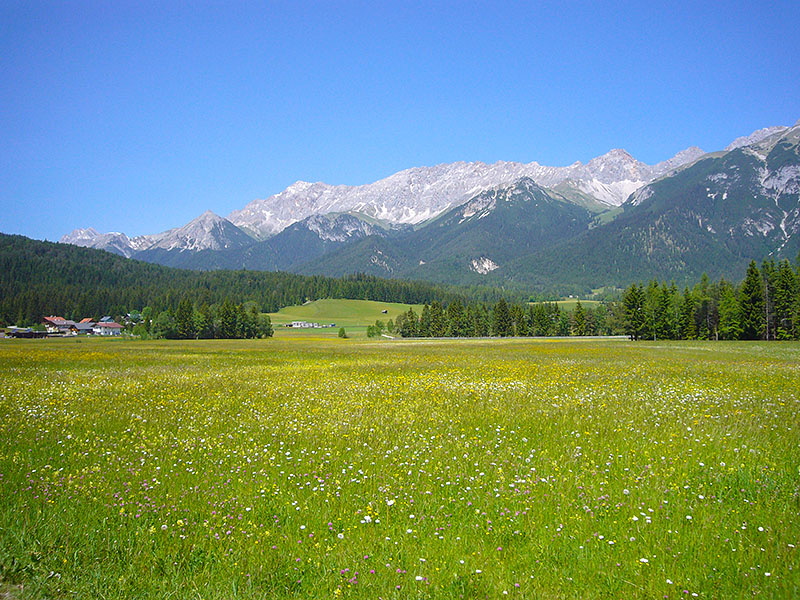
(617, 165)
(116, 242)
(209, 231)
(689, 154)
(77, 235)
(206, 222)
(755, 137)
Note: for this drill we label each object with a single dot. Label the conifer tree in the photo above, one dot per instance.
(226, 321)
(729, 312)
(456, 319)
(633, 301)
(578, 320)
(479, 320)
(204, 322)
(501, 319)
(425, 322)
(687, 328)
(796, 303)
(785, 291)
(519, 324)
(751, 304)
(438, 324)
(184, 320)
(768, 276)
(265, 326)
(664, 325)
(651, 296)
(563, 326)
(407, 324)
(706, 309)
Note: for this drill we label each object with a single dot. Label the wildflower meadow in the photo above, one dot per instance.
(336, 468)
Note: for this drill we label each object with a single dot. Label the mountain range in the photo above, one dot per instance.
(604, 223)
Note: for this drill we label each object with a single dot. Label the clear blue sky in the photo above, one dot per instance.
(137, 116)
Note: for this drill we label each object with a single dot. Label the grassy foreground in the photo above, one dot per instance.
(404, 469)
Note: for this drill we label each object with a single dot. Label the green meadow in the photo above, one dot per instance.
(330, 468)
(570, 305)
(353, 315)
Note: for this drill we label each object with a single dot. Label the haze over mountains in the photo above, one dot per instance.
(601, 223)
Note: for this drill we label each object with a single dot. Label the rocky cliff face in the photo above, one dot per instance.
(416, 195)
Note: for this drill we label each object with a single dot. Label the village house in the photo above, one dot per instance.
(55, 325)
(107, 328)
(82, 328)
(58, 325)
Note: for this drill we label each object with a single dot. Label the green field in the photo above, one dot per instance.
(570, 304)
(292, 468)
(353, 315)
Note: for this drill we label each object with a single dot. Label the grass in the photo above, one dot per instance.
(353, 315)
(569, 305)
(298, 468)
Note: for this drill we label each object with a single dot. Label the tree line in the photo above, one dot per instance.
(200, 321)
(765, 305)
(504, 319)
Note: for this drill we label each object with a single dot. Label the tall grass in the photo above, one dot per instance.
(410, 469)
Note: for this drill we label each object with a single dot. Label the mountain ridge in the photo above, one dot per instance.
(730, 204)
(414, 195)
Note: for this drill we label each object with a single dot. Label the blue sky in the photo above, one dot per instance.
(137, 116)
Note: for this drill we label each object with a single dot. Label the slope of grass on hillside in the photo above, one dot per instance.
(345, 313)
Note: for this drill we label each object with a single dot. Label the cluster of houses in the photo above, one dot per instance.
(60, 327)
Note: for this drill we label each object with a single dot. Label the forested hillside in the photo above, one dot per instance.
(43, 278)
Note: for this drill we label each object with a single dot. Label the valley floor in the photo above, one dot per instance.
(304, 467)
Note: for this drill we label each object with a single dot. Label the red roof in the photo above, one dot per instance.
(87, 320)
(112, 325)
